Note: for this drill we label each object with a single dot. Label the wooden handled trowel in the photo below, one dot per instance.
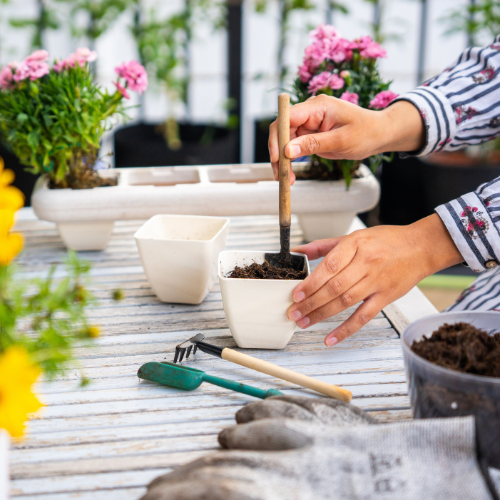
(284, 258)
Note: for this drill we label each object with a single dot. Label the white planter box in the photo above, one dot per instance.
(179, 255)
(218, 190)
(4, 465)
(256, 309)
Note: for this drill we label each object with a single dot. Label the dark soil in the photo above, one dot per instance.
(462, 347)
(316, 171)
(266, 272)
(89, 180)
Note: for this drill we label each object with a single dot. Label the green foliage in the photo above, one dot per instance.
(54, 124)
(47, 19)
(482, 16)
(101, 15)
(364, 80)
(45, 315)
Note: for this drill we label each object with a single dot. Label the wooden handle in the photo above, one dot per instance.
(295, 378)
(284, 163)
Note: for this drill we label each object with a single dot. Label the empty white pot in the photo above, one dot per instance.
(179, 255)
(256, 309)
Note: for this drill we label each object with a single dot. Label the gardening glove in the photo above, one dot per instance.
(289, 448)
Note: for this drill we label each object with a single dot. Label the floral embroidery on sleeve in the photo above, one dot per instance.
(474, 223)
(484, 76)
(464, 113)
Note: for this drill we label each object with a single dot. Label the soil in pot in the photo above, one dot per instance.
(316, 171)
(89, 180)
(462, 347)
(265, 271)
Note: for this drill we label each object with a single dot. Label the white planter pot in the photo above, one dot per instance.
(326, 225)
(179, 255)
(4, 465)
(93, 235)
(217, 190)
(256, 309)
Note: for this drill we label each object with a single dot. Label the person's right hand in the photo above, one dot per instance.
(336, 129)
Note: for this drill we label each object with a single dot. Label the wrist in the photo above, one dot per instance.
(402, 128)
(435, 248)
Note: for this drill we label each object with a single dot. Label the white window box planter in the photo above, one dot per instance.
(85, 217)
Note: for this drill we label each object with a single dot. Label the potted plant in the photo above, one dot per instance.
(346, 69)
(164, 47)
(40, 322)
(53, 119)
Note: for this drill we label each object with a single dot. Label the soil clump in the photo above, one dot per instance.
(462, 347)
(265, 271)
(316, 171)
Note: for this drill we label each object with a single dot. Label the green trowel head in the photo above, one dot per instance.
(180, 377)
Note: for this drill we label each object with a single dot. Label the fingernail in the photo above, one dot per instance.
(294, 151)
(295, 315)
(331, 341)
(302, 323)
(299, 296)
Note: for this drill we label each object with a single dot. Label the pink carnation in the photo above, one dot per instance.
(324, 31)
(59, 66)
(371, 50)
(305, 73)
(317, 52)
(341, 50)
(135, 75)
(81, 56)
(122, 90)
(350, 97)
(31, 69)
(38, 55)
(323, 80)
(336, 82)
(382, 99)
(6, 78)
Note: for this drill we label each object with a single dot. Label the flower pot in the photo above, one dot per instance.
(4, 464)
(179, 255)
(437, 392)
(256, 309)
(362, 195)
(83, 236)
(144, 145)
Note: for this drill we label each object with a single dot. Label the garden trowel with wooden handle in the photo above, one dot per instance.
(284, 258)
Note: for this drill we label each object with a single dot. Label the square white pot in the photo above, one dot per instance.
(4, 464)
(179, 255)
(256, 309)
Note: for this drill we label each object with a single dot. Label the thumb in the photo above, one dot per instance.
(271, 434)
(310, 144)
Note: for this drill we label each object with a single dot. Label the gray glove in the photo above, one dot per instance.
(322, 449)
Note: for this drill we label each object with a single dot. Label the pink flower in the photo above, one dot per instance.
(32, 69)
(81, 56)
(345, 74)
(305, 73)
(122, 90)
(347, 96)
(336, 82)
(59, 66)
(382, 99)
(85, 54)
(135, 75)
(373, 51)
(324, 31)
(38, 55)
(323, 80)
(341, 50)
(317, 52)
(6, 78)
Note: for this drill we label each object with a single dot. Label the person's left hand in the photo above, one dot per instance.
(375, 266)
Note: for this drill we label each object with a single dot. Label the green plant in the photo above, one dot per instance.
(53, 118)
(346, 70)
(46, 316)
(479, 17)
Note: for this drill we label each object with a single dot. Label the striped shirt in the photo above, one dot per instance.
(461, 107)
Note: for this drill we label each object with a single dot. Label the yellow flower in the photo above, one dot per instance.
(17, 376)
(10, 246)
(10, 196)
(6, 220)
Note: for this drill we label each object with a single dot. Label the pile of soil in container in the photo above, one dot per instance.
(265, 271)
(462, 347)
(316, 171)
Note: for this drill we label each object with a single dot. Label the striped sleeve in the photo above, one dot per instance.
(460, 106)
(473, 221)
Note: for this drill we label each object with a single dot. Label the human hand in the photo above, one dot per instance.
(375, 266)
(337, 129)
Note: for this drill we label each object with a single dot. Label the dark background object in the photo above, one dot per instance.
(261, 135)
(143, 145)
(24, 180)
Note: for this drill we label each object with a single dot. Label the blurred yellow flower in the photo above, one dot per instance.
(17, 376)
(93, 331)
(11, 199)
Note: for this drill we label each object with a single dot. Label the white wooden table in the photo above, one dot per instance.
(110, 439)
